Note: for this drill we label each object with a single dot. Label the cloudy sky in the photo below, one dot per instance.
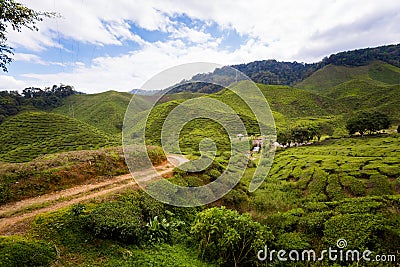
(100, 45)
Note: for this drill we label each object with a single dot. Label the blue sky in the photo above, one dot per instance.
(100, 45)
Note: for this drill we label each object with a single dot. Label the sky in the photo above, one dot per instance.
(101, 45)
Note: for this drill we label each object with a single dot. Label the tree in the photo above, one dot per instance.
(323, 128)
(16, 16)
(398, 129)
(367, 121)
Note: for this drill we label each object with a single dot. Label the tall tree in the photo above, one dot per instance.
(367, 121)
(16, 16)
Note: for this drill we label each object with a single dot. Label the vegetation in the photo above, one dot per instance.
(228, 237)
(377, 73)
(11, 103)
(367, 121)
(32, 134)
(19, 251)
(361, 57)
(58, 171)
(17, 16)
(304, 133)
(104, 111)
(293, 73)
(64, 170)
(339, 187)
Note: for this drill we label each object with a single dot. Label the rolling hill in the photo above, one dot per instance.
(291, 73)
(104, 111)
(378, 73)
(31, 134)
(372, 87)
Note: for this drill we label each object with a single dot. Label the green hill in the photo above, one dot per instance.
(378, 72)
(365, 94)
(31, 134)
(293, 102)
(105, 111)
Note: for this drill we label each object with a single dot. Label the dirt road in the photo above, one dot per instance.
(12, 215)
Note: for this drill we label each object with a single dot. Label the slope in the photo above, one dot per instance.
(105, 111)
(294, 103)
(365, 94)
(377, 72)
(31, 134)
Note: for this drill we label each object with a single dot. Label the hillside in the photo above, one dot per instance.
(291, 73)
(377, 72)
(294, 103)
(31, 134)
(104, 111)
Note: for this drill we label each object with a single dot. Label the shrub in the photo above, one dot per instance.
(229, 237)
(359, 230)
(18, 251)
(118, 220)
(293, 240)
(381, 185)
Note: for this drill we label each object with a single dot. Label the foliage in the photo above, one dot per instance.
(228, 237)
(360, 57)
(290, 73)
(118, 220)
(158, 230)
(17, 16)
(333, 169)
(304, 133)
(32, 134)
(367, 121)
(57, 172)
(11, 102)
(19, 251)
(104, 111)
(365, 223)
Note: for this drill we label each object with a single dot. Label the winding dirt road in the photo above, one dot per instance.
(15, 216)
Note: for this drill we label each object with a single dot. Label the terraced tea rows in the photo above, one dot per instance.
(29, 135)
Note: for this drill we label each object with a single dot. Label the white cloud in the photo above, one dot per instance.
(284, 30)
(32, 58)
(10, 83)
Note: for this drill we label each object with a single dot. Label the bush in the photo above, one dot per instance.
(118, 220)
(359, 230)
(18, 251)
(228, 237)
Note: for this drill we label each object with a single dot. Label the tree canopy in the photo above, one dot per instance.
(11, 102)
(16, 16)
(367, 122)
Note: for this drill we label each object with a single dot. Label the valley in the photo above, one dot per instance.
(66, 193)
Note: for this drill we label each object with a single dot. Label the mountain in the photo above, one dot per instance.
(31, 134)
(377, 72)
(291, 73)
(105, 111)
(374, 86)
(144, 92)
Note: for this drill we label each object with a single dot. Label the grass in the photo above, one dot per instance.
(32, 134)
(64, 170)
(58, 171)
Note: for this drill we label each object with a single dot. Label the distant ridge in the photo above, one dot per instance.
(144, 92)
(291, 73)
